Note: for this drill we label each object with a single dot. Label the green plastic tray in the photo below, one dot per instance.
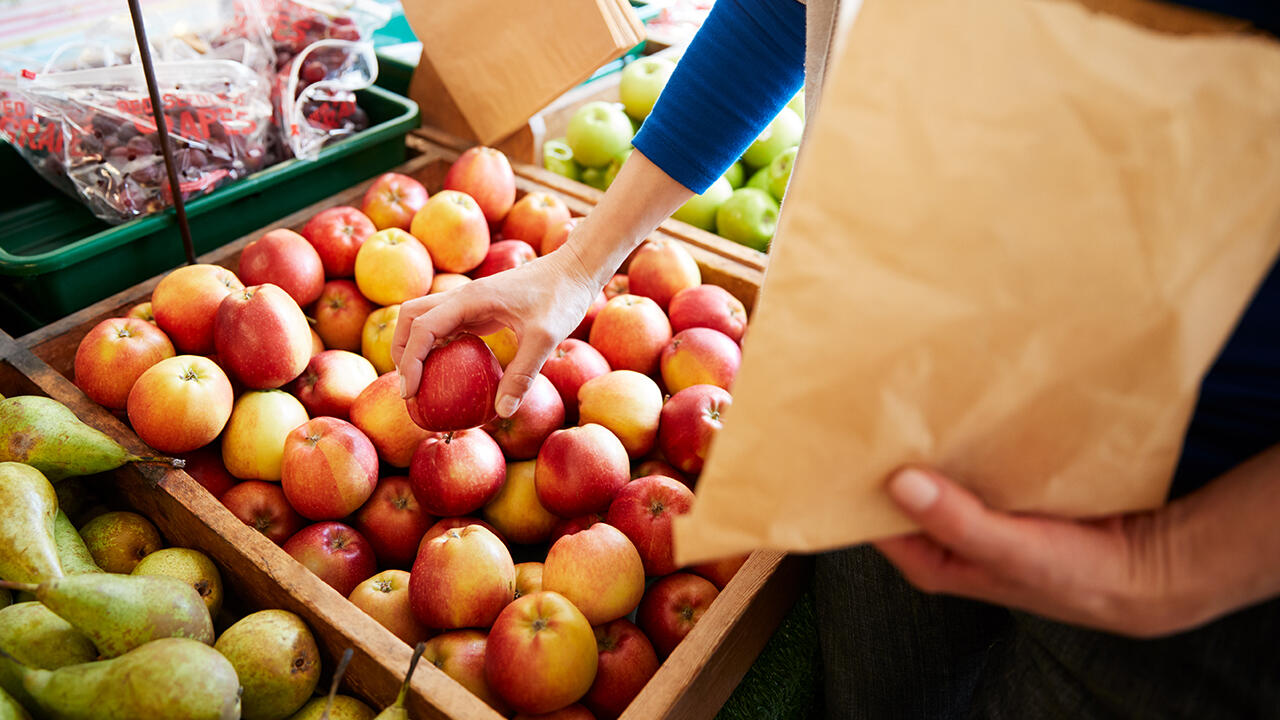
(56, 257)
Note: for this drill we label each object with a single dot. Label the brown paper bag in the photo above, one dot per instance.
(1017, 237)
(488, 65)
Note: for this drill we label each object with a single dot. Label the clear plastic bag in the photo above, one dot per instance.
(316, 98)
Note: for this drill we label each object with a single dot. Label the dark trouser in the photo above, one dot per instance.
(892, 652)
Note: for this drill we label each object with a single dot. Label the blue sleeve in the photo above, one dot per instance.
(742, 67)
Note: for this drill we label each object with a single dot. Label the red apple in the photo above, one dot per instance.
(392, 200)
(285, 259)
(654, 466)
(262, 506)
(599, 570)
(541, 413)
(557, 234)
(329, 469)
(460, 654)
(485, 175)
(385, 598)
(504, 255)
(114, 354)
(337, 234)
(458, 472)
(380, 413)
(336, 553)
(720, 572)
(528, 578)
(574, 524)
(454, 231)
(580, 469)
(462, 578)
(625, 402)
(541, 654)
(642, 510)
(332, 382)
(532, 216)
(583, 331)
(186, 301)
(660, 269)
(690, 420)
(709, 306)
(630, 332)
(317, 344)
(700, 356)
(572, 364)
(205, 467)
(444, 525)
(393, 522)
(180, 403)
(142, 311)
(515, 510)
(458, 387)
(262, 336)
(340, 314)
(671, 607)
(627, 662)
(619, 284)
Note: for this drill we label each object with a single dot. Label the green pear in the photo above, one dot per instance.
(37, 638)
(344, 707)
(72, 553)
(10, 709)
(28, 505)
(397, 709)
(122, 612)
(46, 435)
(276, 659)
(168, 678)
(190, 566)
(119, 540)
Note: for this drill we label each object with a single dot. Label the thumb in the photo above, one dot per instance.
(535, 347)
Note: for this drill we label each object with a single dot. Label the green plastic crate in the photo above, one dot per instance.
(56, 257)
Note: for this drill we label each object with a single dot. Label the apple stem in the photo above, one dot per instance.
(337, 678)
(19, 586)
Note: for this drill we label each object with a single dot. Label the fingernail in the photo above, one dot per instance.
(404, 388)
(914, 490)
(507, 405)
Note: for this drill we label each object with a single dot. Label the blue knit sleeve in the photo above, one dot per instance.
(742, 67)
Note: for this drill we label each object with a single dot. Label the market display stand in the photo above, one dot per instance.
(694, 681)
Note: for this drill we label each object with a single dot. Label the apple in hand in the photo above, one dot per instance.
(642, 81)
(262, 506)
(385, 598)
(700, 210)
(253, 441)
(598, 131)
(340, 314)
(285, 259)
(458, 387)
(485, 174)
(784, 132)
(627, 662)
(376, 337)
(671, 607)
(460, 654)
(393, 522)
(532, 216)
(462, 578)
(392, 200)
(572, 364)
(541, 413)
(329, 469)
(381, 414)
(456, 473)
(392, 266)
(780, 172)
(332, 382)
(114, 354)
(720, 572)
(541, 654)
(528, 578)
(598, 570)
(625, 402)
(180, 403)
(515, 510)
(642, 510)
(337, 234)
(700, 356)
(749, 217)
(504, 255)
(186, 301)
(580, 469)
(336, 553)
(690, 420)
(205, 467)
(557, 157)
(583, 331)
(262, 337)
(709, 306)
(630, 332)
(454, 230)
(660, 269)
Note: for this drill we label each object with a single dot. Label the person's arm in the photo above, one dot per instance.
(744, 64)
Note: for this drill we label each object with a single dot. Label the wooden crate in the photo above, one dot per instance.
(693, 683)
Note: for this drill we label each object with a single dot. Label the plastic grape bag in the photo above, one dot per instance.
(316, 101)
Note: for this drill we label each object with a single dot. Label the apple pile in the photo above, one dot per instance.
(533, 553)
(742, 205)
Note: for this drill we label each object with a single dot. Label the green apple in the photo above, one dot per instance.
(759, 180)
(598, 131)
(700, 210)
(594, 176)
(749, 218)
(779, 172)
(557, 157)
(735, 175)
(797, 103)
(615, 165)
(642, 81)
(782, 133)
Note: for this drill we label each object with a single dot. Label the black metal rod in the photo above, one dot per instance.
(162, 127)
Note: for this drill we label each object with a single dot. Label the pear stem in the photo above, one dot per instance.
(337, 678)
(413, 664)
(19, 586)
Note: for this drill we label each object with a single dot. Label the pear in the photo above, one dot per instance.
(10, 709)
(344, 707)
(119, 540)
(72, 552)
(46, 435)
(122, 612)
(190, 566)
(397, 709)
(168, 678)
(277, 661)
(37, 638)
(28, 505)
